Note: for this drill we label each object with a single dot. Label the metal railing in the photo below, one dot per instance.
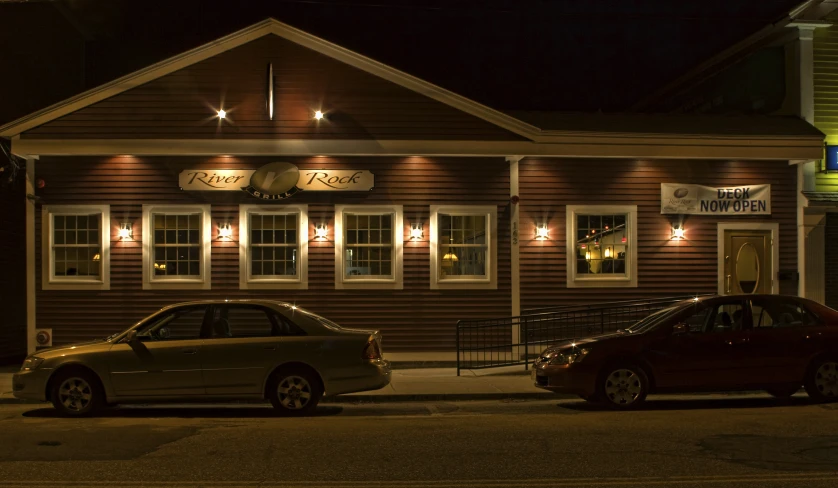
(510, 341)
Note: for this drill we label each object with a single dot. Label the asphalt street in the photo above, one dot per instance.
(695, 441)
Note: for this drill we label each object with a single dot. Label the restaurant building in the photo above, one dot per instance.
(273, 164)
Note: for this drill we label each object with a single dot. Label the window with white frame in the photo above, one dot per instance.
(463, 246)
(176, 246)
(368, 246)
(273, 247)
(601, 246)
(76, 247)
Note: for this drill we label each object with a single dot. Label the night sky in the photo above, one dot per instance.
(573, 55)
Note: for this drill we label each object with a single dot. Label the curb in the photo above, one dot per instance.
(438, 397)
(424, 397)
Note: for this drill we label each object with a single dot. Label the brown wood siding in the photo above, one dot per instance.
(413, 319)
(665, 267)
(13, 266)
(358, 105)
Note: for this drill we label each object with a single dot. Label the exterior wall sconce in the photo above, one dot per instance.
(125, 233)
(416, 231)
(542, 232)
(318, 115)
(222, 114)
(225, 231)
(677, 232)
(321, 231)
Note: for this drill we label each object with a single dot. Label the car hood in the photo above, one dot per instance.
(74, 348)
(581, 342)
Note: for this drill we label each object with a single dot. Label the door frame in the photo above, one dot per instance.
(774, 229)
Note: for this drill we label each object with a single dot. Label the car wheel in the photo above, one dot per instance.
(623, 387)
(295, 392)
(783, 391)
(822, 380)
(76, 393)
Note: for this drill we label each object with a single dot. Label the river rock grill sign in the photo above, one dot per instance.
(275, 181)
(682, 199)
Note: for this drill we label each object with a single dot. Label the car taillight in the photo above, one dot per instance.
(371, 350)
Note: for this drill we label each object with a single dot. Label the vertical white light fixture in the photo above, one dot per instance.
(270, 93)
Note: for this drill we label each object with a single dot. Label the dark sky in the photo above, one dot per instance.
(568, 55)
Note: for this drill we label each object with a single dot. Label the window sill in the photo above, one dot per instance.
(464, 284)
(369, 284)
(76, 285)
(179, 284)
(257, 284)
(602, 283)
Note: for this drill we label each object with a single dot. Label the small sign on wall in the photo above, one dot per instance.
(275, 181)
(685, 199)
(832, 158)
(43, 337)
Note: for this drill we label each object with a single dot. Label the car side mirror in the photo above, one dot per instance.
(680, 329)
(131, 338)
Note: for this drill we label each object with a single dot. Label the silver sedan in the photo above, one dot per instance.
(210, 350)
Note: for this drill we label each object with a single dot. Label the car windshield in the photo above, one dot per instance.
(652, 320)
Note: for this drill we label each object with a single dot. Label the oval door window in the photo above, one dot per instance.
(747, 268)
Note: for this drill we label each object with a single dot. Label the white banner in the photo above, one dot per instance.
(678, 198)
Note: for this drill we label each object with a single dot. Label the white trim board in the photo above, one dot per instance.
(773, 227)
(255, 31)
(561, 146)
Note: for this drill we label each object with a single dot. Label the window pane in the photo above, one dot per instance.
(601, 247)
(245, 322)
(182, 324)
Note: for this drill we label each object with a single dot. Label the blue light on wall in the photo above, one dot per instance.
(832, 158)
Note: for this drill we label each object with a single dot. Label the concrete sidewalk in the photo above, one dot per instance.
(425, 384)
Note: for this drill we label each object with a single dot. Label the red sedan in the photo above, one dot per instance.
(726, 343)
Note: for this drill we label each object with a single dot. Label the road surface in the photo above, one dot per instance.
(685, 441)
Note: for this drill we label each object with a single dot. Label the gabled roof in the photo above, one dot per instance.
(264, 28)
(544, 134)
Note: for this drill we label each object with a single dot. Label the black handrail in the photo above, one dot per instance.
(490, 343)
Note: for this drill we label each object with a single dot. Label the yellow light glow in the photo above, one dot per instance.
(588, 255)
(677, 232)
(542, 232)
(607, 252)
(321, 231)
(222, 113)
(318, 115)
(416, 232)
(225, 231)
(124, 231)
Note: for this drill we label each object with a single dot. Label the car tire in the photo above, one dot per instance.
(822, 379)
(295, 391)
(783, 391)
(76, 393)
(623, 386)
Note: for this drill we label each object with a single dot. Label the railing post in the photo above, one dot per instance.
(458, 348)
(522, 323)
(601, 321)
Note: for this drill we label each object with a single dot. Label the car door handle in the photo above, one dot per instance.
(189, 351)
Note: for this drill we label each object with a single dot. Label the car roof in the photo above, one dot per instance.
(227, 301)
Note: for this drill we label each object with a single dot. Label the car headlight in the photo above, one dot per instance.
(31, 363)
(569, 357)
